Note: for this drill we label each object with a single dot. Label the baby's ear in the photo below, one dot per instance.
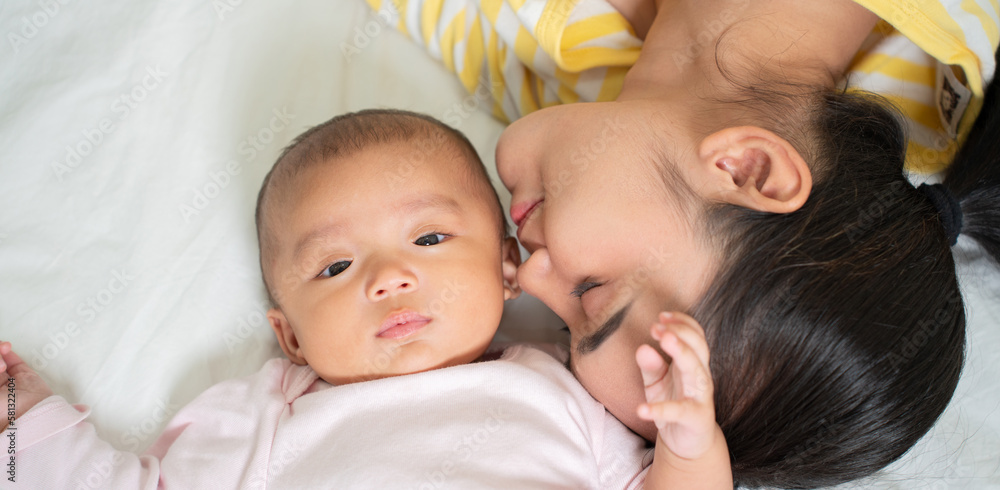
(511, 256)
(286, 336)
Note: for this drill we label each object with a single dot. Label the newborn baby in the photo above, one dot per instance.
(385, 253)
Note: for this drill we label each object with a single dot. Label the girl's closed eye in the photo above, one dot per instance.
(583, 287)
(431, 239)
(335, 268)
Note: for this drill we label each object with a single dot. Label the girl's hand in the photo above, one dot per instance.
(679, 394)
(27, 387)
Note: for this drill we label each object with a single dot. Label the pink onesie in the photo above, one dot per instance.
(522, 421)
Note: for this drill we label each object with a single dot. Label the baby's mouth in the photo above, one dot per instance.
(402, 323)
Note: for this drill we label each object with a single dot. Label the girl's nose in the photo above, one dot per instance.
(538, 279)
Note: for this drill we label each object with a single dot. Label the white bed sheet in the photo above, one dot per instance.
(133, 140)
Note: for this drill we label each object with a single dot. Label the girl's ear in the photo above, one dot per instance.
(511, 256)
(754, 168)
(286, 336)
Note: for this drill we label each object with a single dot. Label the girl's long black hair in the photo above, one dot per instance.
(838, 331)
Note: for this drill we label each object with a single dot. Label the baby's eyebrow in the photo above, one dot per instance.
(316, 236)
(429, 201)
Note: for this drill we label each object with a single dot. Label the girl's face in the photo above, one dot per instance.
(611, 245)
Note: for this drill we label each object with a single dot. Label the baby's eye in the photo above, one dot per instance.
(335, 268)
(430, 239)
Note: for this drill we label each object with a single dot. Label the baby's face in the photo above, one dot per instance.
(388, 263)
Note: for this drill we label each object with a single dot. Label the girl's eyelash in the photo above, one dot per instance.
(583, 288)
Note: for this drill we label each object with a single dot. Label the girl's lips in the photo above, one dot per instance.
(520, 211)
(401, 324)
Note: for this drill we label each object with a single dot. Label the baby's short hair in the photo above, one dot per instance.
(348, 134)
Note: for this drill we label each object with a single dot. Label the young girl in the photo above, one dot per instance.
(725, 172)
(372, 278)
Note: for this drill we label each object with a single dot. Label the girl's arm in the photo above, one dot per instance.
(691, 451)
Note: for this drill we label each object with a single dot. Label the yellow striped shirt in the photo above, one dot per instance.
(930, 57)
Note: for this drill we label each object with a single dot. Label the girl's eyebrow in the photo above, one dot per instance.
(593, 341)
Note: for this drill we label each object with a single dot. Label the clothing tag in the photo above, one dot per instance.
(952, 98)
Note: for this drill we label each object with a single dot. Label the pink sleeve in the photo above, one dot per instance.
(222, 437)
(623, 458)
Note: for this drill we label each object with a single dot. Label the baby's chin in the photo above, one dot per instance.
(411, 359)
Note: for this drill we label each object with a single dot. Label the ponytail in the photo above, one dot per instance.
(974, 176)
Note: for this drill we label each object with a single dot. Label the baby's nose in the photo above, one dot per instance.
(391, 279)
(392, 287)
